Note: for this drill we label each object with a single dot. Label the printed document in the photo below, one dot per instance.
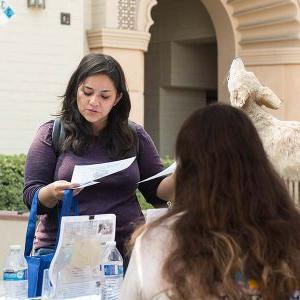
(86, 175)
(75, 268)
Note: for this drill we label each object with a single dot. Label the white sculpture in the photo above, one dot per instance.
(281, 139)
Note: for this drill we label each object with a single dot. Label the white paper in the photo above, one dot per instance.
(85, 175)
(86, 185)
(171, 169)
(74, 270)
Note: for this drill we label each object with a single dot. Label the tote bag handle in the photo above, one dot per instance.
(69, 203)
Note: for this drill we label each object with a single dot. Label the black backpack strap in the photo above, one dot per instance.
(135, 136)
(58, 135)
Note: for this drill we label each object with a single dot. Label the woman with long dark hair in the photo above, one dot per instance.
(233, 232)
(94, 118)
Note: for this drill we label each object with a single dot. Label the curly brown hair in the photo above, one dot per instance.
(233, 212)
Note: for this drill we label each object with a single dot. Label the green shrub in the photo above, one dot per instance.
(11, 182)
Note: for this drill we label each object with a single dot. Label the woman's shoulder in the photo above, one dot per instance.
(161, 233)
(146, 144)
(44, 132)
(140, 130)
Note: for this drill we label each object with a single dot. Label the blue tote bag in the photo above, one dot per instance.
(37, 264)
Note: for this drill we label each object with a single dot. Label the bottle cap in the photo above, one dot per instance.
(15, 247)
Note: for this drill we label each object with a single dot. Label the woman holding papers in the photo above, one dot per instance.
(232, 232)
(94, 116)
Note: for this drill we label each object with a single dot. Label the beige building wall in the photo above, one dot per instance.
(291, 96)
(38, 55)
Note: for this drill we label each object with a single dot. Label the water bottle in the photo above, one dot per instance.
(112, 272)
(15, 275)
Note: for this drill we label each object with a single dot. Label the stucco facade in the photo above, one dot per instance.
(37, 57)
(175, 56)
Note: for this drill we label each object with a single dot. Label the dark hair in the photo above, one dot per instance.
(117, 135)
(233, 212)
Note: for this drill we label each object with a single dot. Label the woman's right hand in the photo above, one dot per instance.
(50, 194)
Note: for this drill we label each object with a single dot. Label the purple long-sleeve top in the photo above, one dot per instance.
(114, 194)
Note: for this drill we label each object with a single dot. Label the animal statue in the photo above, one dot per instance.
(281, 139)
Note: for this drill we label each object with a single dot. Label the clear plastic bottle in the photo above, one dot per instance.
(15, 274)
(112, 272)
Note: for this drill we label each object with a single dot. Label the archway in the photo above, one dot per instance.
(183, 68)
